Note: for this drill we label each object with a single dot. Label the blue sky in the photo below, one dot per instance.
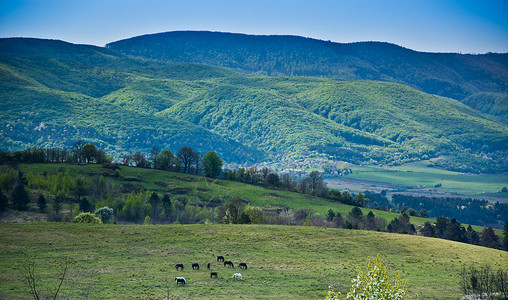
(462, 26)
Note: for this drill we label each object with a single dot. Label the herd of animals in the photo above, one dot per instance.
(220, 258)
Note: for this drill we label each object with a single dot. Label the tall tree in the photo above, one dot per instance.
(89, 153)
(77, 150)
(4, 201)
(428, 230)
(166, 161)
(212, 164)
(140, 160)
(197, 162)
(186, 156)
(156, 206)
(472, 236)
(272, 179)
(41, 202)
(153, 155)
(488, 238)
(20, 196)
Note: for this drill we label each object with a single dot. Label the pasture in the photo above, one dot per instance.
(419, 178)
(133, 261)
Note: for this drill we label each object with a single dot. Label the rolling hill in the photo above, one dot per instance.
(451, 75)
(62, 92)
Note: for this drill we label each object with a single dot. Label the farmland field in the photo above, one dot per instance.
(420, 179)
(132, 261)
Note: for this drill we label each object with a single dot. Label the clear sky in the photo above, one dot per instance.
(464, 26)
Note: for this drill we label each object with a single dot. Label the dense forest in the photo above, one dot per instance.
(451, 75)
(54, 93)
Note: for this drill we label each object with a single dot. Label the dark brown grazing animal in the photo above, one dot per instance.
(228, 263)
(195, 266)
(220, 258)
(208, 266)
(179, 266)
(180, 280)
(213, 274)
(243, 265)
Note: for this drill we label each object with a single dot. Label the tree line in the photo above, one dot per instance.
(186, 160)
(88, 194)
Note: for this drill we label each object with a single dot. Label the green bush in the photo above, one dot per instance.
(105, 214)
(373, 284)
(87, 218)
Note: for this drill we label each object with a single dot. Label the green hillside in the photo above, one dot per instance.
(201, 190)
(122, 261)
(452, 75)
(123, 104)
(197, 190)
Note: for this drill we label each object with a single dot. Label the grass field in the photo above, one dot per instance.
(137, 262)
(418, 176)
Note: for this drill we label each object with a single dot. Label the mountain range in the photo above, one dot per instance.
(258, 99)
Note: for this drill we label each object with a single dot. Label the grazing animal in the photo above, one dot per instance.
(180, 280)
(195, 266)
(237, 276)
(228, 263)
(208, 266)
(243, 265)
(220, 258)
(213, 274)
(179, 266)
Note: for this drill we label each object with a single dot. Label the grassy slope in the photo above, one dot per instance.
(200, 189)
(122, 261)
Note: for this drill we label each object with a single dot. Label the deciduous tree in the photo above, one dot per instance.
(373, 283)
(89, 153)
(212, 164)
(186, 156)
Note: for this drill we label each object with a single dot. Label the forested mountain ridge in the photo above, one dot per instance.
(452, 75)
(62, 92)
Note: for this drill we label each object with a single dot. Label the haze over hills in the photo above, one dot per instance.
(144, 92)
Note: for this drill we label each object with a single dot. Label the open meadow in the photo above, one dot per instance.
(138, 262)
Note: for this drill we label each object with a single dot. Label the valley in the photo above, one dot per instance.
(297, 156)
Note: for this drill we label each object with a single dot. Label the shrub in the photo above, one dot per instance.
(105, 214)
(87, 218)
(373, 284)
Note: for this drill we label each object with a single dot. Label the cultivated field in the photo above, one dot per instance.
(419, 179)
